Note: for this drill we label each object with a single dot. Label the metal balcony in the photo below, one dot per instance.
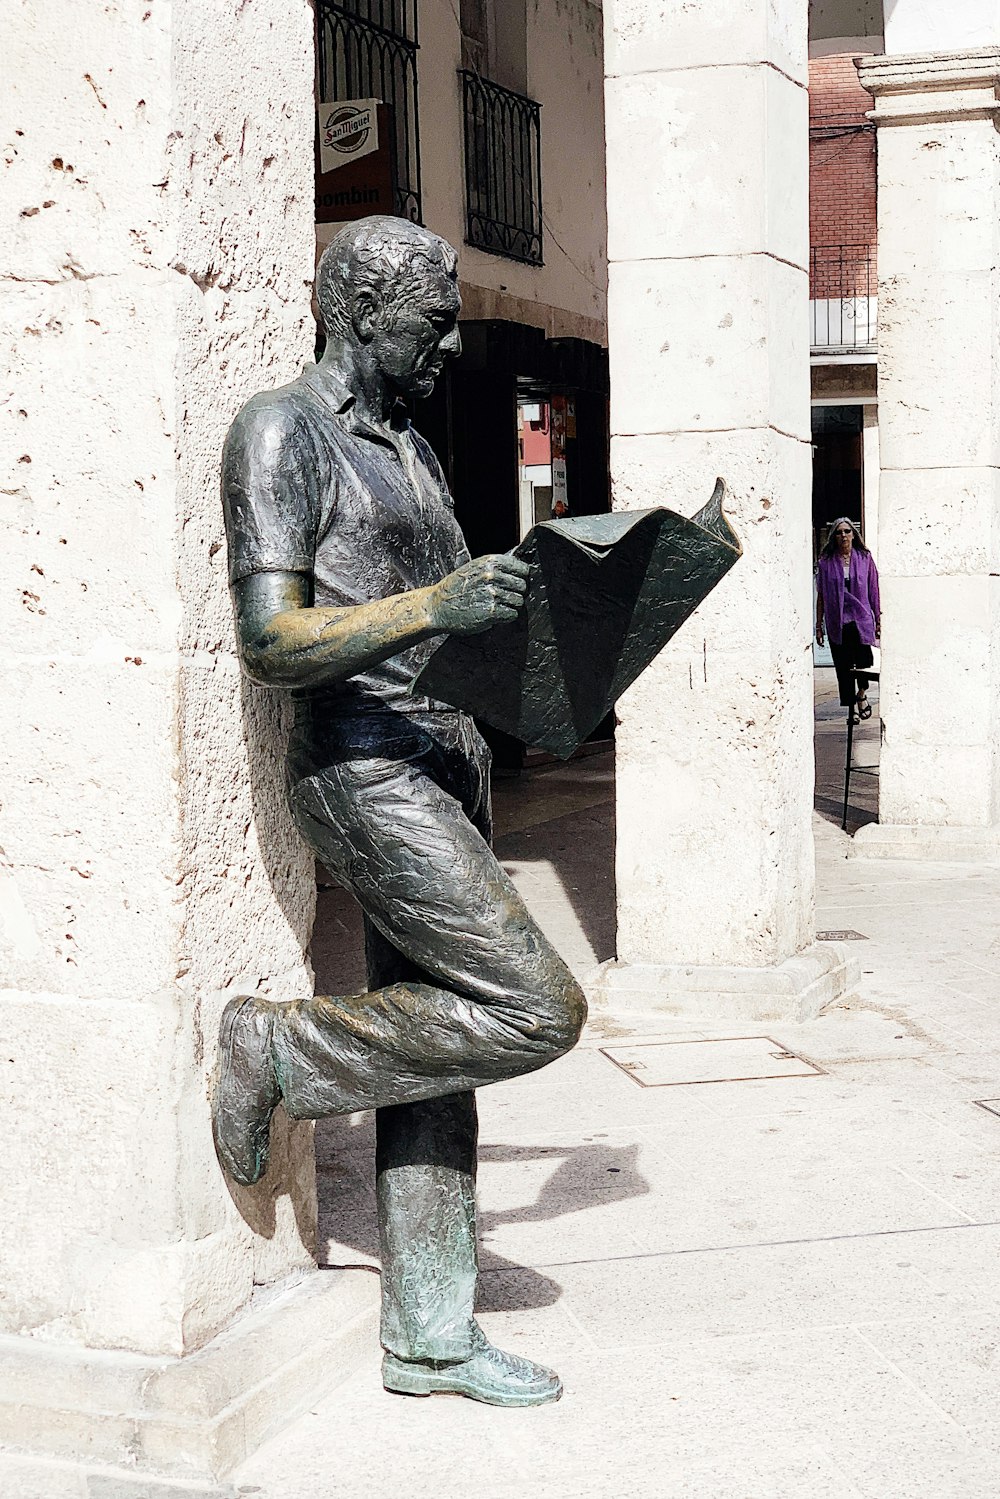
(843, 305)
(503, 170)
(367, 49)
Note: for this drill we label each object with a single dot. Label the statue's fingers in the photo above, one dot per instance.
(509, 593)
(511, 590)
(513, 566)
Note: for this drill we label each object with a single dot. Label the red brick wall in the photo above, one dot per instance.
(841, 181)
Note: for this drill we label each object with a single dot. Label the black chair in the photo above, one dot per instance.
(849, 769)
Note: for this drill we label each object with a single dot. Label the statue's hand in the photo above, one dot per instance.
(479, 594)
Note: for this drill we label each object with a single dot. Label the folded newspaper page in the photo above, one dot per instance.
(606, 593)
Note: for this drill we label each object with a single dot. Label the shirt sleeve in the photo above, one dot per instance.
(269, 493)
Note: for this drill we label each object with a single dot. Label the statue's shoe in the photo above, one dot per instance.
(247, 1092)
(489, 1375)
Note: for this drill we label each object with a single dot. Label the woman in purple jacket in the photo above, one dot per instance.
(847, 602)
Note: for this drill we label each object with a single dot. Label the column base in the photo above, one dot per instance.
(122, 1426)
(878, 840)
(797, 989)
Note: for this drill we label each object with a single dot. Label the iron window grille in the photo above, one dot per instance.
(367, 49)
(503, 170)
(843, 292)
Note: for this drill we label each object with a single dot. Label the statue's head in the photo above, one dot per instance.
(392, 287)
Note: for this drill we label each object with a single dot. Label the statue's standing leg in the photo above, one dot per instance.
(425, 1168)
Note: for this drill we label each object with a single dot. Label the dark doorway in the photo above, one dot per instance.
(837, 468)
(509, 378)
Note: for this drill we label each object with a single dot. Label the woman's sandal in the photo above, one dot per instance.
(864, 708)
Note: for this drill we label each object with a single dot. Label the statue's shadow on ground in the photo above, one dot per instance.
(582, 1177)
(288, 1175)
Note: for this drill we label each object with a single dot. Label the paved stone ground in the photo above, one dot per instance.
(753, 1290)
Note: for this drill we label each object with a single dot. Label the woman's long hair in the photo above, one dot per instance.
(830, 550)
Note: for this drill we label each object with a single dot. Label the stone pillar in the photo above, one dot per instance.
(870, 476)
(707, 159)
(939, 418)
(157, 272)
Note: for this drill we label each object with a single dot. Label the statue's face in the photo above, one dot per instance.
(412, 339)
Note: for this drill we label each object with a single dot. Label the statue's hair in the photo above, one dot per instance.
(381, 253)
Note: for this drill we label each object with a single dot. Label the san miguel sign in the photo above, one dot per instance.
(354, 160)
(347, 132)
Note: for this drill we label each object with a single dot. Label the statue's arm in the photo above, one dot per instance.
(286, 642)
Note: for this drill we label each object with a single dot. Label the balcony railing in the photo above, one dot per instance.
(843, 306)
(503, 170)
(367, 49)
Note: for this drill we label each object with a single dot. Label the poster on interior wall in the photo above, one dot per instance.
(558, 433)
(354, 160)
(560, 493)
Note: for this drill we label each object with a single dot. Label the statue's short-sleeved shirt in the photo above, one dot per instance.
(307, 487)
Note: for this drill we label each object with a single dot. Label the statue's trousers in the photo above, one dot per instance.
(465, 990)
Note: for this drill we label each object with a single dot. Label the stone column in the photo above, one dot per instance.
(156, 273)
(707, 158)
(870, 474)
(939, 419)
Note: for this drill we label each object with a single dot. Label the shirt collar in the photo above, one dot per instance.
(330, 387)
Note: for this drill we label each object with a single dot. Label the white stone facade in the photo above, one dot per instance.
(567, 296)
(156, 273)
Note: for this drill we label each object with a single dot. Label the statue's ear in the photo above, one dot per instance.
(366, 312)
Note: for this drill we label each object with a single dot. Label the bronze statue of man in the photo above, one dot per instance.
(347, 568)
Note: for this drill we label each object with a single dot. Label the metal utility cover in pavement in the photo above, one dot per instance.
(739, 1059)
(991, 1105)
(842, 936)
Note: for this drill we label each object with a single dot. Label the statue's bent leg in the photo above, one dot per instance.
(489, 997)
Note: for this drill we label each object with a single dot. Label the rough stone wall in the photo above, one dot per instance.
(929, 26)
(242, 259)
(155, 262)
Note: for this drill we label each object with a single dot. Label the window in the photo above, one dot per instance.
(367, 49)
(503, 170)
(495, 41)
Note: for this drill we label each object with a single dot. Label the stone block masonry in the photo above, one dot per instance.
(157, 265)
